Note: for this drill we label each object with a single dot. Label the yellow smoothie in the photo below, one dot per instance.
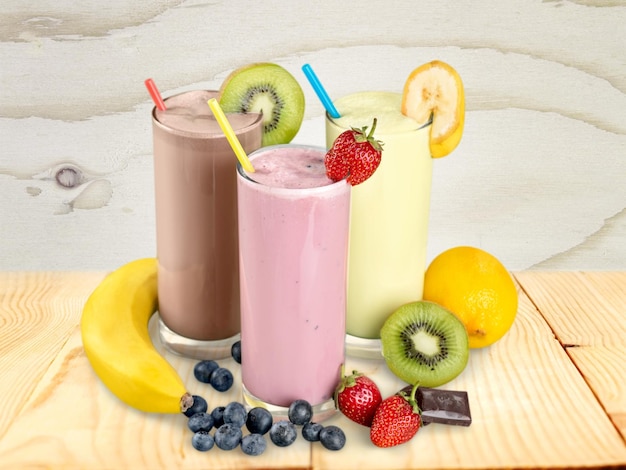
(389, 212)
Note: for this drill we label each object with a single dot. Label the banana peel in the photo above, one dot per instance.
(114, 330)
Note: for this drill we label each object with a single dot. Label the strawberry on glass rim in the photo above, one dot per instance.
(355, 154)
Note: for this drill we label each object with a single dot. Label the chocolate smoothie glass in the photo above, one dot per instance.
(196, 224)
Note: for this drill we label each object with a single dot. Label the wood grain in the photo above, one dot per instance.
(532, 406)
(522, 392)
(538, 178)
(604, 368)
(72, 421)
(37, 315)
(589, 308)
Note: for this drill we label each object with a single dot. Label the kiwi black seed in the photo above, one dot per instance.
(424, 343)
(269, 89)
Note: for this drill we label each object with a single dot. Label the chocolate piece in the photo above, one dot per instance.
(443, 406)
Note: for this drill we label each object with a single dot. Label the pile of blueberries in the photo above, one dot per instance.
(229, 420)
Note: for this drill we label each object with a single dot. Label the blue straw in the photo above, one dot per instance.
(319, 90)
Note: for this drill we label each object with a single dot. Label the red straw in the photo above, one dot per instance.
(154, 93)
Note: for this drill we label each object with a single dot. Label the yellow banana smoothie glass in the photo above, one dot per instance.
(389, 217)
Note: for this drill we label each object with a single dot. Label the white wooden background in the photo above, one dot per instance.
(539, 179)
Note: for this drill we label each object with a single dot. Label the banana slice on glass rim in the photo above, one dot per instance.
(436, 89)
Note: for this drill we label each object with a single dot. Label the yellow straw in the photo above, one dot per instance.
(230, 135)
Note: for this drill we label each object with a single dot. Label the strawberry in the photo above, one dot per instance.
(357, 397)
(396, 421)
(355, 154)
(337, 167)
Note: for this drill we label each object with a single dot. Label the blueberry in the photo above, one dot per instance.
(235, 413)
(199, 406)
(218, 416)
(300, 412)
(228, 436)
(253, 444)
(332, 438)
(235, 351)
(221, 379)
(202, 441)
(203, 370)
(200, 422)
(259, 420)
(311, 431)
(283, 433)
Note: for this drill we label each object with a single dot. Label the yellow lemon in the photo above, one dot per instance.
(435, 89)
(477, 288)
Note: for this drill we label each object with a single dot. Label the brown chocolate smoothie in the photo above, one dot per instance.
(196, 216)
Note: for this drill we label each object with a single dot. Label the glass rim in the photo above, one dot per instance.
(279, 190)
(419, 127)
(258, 121)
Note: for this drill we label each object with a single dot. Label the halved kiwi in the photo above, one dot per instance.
(424, 343)
(269, 89)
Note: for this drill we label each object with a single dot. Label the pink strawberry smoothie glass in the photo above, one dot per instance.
(293, 242)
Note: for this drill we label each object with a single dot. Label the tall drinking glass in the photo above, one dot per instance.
(196, 224)
(389, 217)
(293, 235)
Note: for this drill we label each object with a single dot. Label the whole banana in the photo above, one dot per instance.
(114, 329)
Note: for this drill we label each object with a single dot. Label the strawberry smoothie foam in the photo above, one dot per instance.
(293, 238)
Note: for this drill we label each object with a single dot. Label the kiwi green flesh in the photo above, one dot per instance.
(424, 343)
(268, 89)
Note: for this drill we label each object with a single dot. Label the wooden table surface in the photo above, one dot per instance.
(550, 394)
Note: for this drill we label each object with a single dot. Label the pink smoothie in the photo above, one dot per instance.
(293, 238)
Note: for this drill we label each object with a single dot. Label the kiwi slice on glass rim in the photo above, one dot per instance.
(268, 89)
(424, 343)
